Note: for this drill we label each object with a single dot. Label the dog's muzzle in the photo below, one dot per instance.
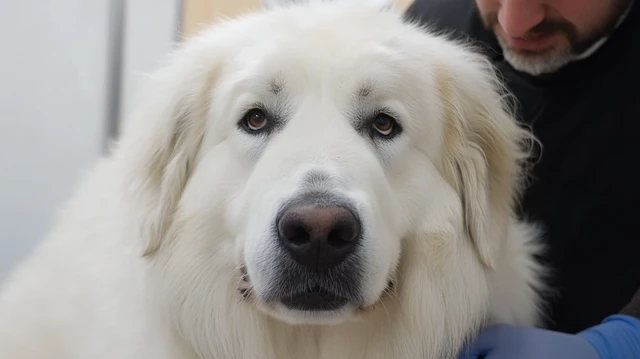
(320, 236)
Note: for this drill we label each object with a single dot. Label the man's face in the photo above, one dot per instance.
(541, 36)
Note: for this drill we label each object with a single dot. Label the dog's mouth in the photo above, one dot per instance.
(315, 299)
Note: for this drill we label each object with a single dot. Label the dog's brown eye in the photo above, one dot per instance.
(256, 119)
(384, 124)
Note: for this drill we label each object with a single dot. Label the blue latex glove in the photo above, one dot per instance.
(618, 337)
(512, 342)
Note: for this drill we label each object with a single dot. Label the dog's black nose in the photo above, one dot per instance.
(318, 237)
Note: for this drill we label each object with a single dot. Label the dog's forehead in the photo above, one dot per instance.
(290, 50)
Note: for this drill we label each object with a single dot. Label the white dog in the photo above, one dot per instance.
(312, 180)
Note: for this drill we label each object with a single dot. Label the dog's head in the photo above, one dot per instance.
(289, 153)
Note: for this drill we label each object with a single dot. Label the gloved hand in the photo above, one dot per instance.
(617, 337)
(512, 342)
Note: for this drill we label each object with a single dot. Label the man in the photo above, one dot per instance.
(574, 68)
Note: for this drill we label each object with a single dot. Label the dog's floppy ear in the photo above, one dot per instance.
(163, 137)
(485, 151)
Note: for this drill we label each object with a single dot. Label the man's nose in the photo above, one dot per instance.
(517, 17)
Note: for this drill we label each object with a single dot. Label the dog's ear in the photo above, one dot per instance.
(163, 136)
(485, 150)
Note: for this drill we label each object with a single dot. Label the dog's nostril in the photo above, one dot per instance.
(318, 237)
(296, 233)
(342, 235)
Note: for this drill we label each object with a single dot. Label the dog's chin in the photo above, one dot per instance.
(295, 316)
(319, 307)
(313, 307)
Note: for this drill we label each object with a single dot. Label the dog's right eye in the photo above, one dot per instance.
(255, 120)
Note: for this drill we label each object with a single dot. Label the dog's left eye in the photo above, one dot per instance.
(384, 124)
(255, 120)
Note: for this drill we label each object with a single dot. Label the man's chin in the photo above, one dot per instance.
(536, 65)
(536, 62)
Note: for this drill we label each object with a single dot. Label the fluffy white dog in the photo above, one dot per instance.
(312, 180)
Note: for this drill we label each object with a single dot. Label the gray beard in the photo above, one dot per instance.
(537, 65)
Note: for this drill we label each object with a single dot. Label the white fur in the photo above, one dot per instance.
(143, 261)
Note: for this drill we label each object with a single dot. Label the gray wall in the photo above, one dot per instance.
(54, 100)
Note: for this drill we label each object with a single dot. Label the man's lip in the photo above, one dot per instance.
(531, 44)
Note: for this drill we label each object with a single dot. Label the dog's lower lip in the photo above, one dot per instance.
(314, 300)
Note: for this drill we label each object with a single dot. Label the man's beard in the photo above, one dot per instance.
(552, 59)
(538, 63)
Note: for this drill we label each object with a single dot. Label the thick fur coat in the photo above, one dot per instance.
(168, 249)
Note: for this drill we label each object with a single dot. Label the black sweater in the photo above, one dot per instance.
(584, 191)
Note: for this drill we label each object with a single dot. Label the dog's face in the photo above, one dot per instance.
(305, 144)
(324, 126)
(327, 129)
(323, 138)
